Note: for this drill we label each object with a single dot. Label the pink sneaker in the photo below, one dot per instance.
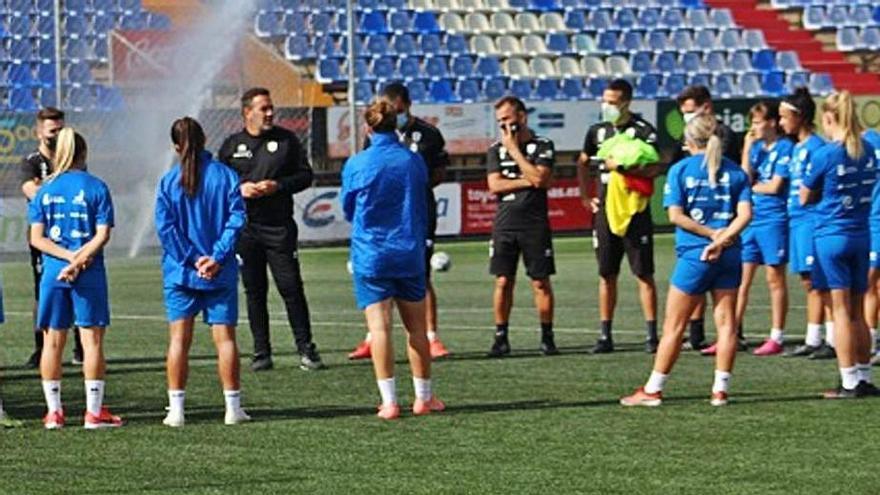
(54, 420)
(642, 398)
(102, 420)
(389, 412)
(769, 348)
(422, 407)
(362, 351)
(711, 350)
(718, 399)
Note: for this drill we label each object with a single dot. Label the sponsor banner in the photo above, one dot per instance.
(319, 216)
(565, 209)
(470, 129)
(448, 208)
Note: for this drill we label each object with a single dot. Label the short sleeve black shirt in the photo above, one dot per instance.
(35, 166)
(636, 127)
(524, 209)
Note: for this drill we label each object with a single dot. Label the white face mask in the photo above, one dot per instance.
(402, 120)
(610, 113)
(689, 116)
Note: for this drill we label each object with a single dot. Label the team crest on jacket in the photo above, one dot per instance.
(272, 146)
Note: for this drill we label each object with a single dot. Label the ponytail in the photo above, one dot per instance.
(842, 108)
(712, 159)
(70, 152)
(189, 138)
(701, 133)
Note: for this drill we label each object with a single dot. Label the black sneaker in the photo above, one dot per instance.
(77, 358)
(841, 393)
(603, 346)
(548, 346)
(262, 363)
(651, 346)
(802, 351)
(865, 389)
(742, 345)
(824, 352)
(33, 362)
(500, 348)
(311, 360)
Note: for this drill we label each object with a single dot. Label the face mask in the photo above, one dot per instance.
(402, 120)
(610, 113)
(689, 116)
(52, 143)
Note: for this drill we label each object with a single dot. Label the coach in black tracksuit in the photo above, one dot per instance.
(273, 167)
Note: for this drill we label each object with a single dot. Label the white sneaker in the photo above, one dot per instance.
(234, 417)
(174, 419)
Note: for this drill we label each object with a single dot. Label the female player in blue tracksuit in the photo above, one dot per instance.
(840, 180)
(796, 115)
(708, 198)
(872, 306)
(766, 154)
(199, 215)
(71, 217)
(383, 196)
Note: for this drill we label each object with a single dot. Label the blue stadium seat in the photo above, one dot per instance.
(404, 45)
(814, 17)
(796, 80)
(329, 70)
(788, 61)
(456, 44)
(418, 93)
(47, 97)
(45, 7)
(608, 42)
(764, 60)
(441, 91)
(848, 39)
(573, 88)
(77, 50)
(701, 79)
(600, 20)
(395, 4)
(326, 47)
(730, 40)
(266, 25)
(20, 76)
(521, 88)
(361, 70)
(468, 90)
(558, 43)
(462, 67)
(367, 5)
(430, 44)
(109, 99)
(494, 88)
(377, 46)
(22, 100)
(543, 5)
(641, 62)
(295, 23)
(44, 27)
(597, 86)
(400, 22)
(750, 85)
(267, 6)
(77, 7)
(672, 19)
(547, 89)
(19, 26)
(101, 6)
(102, 23)
(384, 68)
(575, 20)
(649, 18)
(681, 41)
(80, 98)
(625, 18)
(773, 83)
(692, 62)
(648, 87)
(409, 68)
(133, 6)
(21, 50)
(79, 74)
(358, 46)
(871, 38)
(658, 41)
(100, 50)
(436, 68)
(139, 21)
(838, 15)
(488, 67)
(666, 63)
(741, 62)
(298, 48)
(363, 92)
(821, 84)
(705, 39)
(722, 18)
(632, 41)
(75, 26)
(320, 23)
(519, 4)
(725, 85)
(425, 22)
(674, 84)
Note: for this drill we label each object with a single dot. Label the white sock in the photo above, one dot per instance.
(176, 399)
(432, 336)
(422, 387)
(233, 400)
(368, 338)
(722, 381)
(778, 335)
(655, 382)
(873, 340)
(849, 377)
(863, 372)
(52, 392)
(814, 335)
(829, 333)
(94, 396)
(2, 412)
(388, 391)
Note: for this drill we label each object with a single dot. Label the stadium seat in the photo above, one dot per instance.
(361, 70)
(568, 67)
(753, 39)
(553, 23)
(546, 89)
(498, 6)
(871, 38)
(377, 46)
(534, 45)
(489, 67)
(44, 27)
(21, 50)
(19, 26)
(262, 6)
(722, 19)
(821, 84)
(449, 23)
(109, 99)
(462, 67)
(597, 86)
(773, 83)
(788, 61)
(436, 68)
(418, 93)
(77, 50)
(648, 87)
(848, 39)
(558, 43)
(482, 44)
(456, 44)
(796, 80)
(666, 63)
(527, 23)
(649, 18)
(295, 23)
(468, 91)
(838, 15)
(764, 60)
(681, 41)
(573, 88)
(608, 42)
(701, 79)
(725, 85)
(814, 18)
(133, 6)
(583, 43)
(521, 88)
(692, 62)
(431, 45)
(575, 20)
(750, 85)
(400, 22)
(425, 22)
(618, 66)
(600, 20)
(593, 66)
(20, 76)
(384, 69)
(138, 22)
(45, 7)
(373, 23)
(625, 18)
(494, 88)
(509, 45)
(730, 40)
(101, 23)
(404, 45)
(705, 39)
(658, 41)
(409, 68)
(80, 98)
(641, 62)
(79, 74)
(501, 22)
(100, 50)
(674, 84)
(716, 62)
(266, 25)
(698, 19)
(542, 68)
(329, 70)
(100, 6)
(632, 41)
(45, 49)
(22, 100)
(543, 5)
(441, 92)
(298, 48)
(672, 18)
(320, 23)
(517, 68)
(363, 92)
(741, 62)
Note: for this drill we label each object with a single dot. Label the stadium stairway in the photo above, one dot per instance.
(781, 35)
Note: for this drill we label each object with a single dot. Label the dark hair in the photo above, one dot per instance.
(700, 94)
(248, 97)
(802, 102)
(622, 85)
(381, 116)
(187, 134)
(50, 113)
(396, 90)
(518, 104)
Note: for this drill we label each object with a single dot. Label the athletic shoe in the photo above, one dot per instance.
(236, 416)
(603, 346)
(548, 346)
(362, 351)
(33, 362)
(642, 398)
(865, 389)
(824, 352)
(102, 420)
(7, 422)
(841, 393)
(500, 348)
(742, 345)
(422, 407)
(694, 346)
(651, 346)
(310, 361)
(710, 351)
(802, 351)
(77, 359)
(718, 399)
(769, 348)
(262, 363)
(438, 350)
(54, 420)
(875, 360)
(174, 419)
(391, 411)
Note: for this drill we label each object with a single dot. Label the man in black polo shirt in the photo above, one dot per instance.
(273, 167)
(34, 170)
(422, 138)
(638, 241)
(520, 168)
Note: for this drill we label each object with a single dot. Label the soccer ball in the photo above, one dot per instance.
(441, 261)
(349, 267)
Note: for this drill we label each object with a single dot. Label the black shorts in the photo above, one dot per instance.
(637, 244)
(429, 251)
(536, 247)
(37, 268)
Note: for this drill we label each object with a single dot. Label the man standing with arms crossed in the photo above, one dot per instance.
(273, 167)
(34, 170)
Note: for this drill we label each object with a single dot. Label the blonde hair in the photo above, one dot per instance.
(841, 106)
(70, 152)
(701, 133)
(381, 116)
